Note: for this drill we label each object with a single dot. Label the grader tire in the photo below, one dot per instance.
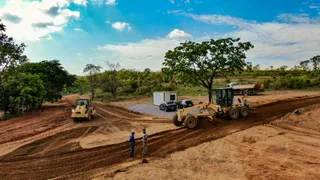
(233, 113)
(191, 122)
(176, 121)
(244, 112)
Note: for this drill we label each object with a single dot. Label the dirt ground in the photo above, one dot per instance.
(49, 144)
(287, 148)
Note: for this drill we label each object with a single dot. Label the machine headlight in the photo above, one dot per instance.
(72, 110)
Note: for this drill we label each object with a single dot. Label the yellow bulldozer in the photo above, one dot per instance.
(224, 107)
(82, 110)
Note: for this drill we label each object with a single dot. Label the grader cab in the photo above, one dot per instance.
(224, 107)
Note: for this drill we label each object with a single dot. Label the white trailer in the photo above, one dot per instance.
(165, 96)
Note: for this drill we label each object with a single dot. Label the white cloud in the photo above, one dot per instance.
(37, 19)
(97, 2)
(111, 2)
(294, 38)
(172, 1)
(286, 42)
(108, 22)
(314, 7)
(219, 19)
(121, 26)
(187, 1)
(178, 34)
(78, 29)
(300, 18)
(148, 53)
(80, 2)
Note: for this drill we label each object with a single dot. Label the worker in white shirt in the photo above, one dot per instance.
(145, 142)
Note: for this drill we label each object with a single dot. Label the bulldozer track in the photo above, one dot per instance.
(160, 145)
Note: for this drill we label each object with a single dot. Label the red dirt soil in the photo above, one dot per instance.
(287, 148)
(47, 158)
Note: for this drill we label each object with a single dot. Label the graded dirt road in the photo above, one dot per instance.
(44, 158)
(284, 149)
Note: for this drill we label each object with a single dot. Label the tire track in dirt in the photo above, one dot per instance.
(160, 145)
(123, 115)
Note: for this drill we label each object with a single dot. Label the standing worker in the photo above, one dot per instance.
(132, 143)
(145, 142)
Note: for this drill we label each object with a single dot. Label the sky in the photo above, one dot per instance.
(138, 33)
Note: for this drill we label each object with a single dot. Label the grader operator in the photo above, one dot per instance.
(224, 107)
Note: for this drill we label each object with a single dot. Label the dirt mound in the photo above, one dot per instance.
(32, 124)
(71, 99)
(52, 145)
(308, 119)
(120, 110)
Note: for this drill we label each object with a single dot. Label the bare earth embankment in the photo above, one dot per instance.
(287, 148)
(51, 145)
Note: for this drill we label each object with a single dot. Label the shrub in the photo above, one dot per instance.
(267, 83)
(144, 90)
(289, 82)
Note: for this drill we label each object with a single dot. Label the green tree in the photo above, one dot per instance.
(256, 67)
(283, 68)
(11, 55)
(305, 64)
(200, 63)
(271, 68)
(55, 78)
(315, 62)
(82, 85)
(24, 91)
(110, 81)
(92, 71)
(249, 66)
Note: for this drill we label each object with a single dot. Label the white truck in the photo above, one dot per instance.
(248, 89)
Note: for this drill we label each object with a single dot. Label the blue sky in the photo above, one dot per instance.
(137, 33)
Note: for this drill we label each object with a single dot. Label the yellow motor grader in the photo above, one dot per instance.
(224, 107)
(82, 110)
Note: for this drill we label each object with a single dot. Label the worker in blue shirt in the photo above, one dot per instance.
(132, 143)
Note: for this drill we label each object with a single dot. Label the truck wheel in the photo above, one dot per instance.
(166, 109)
(176, 121)
(75, 120)
(191, 122)
(233, 113)
(244, 112)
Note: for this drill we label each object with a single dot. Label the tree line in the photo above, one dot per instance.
(114, 82)
(195, 64)
(25, 85)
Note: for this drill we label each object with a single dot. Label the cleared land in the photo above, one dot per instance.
(50, 145)
(288, 148)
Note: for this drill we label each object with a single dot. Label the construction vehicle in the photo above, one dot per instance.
(224, 107)
(82, 110)
(248, 89)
